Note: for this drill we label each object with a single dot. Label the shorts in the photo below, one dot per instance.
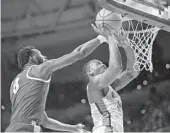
(23, 127)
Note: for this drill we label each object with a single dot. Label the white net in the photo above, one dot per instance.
(141, 37)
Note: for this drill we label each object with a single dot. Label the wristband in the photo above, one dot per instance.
(101, 38)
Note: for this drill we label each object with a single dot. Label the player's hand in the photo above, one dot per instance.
(104, 31)
(122, 38)
(81, 129)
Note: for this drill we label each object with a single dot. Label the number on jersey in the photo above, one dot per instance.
(15, 85)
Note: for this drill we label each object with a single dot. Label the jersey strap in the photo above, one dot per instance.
(38, 79)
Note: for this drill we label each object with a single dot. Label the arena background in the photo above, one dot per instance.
(56, 27)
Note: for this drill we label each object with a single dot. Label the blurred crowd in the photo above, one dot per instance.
(154, 115)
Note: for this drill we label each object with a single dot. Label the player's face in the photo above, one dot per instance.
(38, 58)
(97, 67)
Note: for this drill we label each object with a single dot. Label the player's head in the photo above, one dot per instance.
(29, 55)
(93, 68)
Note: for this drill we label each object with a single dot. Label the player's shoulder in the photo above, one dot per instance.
(93, 84)
(19, 75)
(97, 82)
(39, 71)
(34, 73)
(34, 70)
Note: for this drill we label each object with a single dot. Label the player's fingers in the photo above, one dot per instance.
(115, 35)
(101, 28)
(126, 34)
(123, 33)
(81, 125)
(95, 28)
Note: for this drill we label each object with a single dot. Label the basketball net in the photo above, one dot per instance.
(141, 37)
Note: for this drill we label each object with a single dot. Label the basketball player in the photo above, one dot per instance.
(30, 87)
(105, 103)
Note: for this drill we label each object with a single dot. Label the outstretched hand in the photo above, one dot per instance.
(122, 38)
(104, 31)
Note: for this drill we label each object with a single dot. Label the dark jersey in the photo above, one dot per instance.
(28, 96)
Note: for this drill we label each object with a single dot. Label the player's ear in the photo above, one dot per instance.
(31, 58)
(90, 72)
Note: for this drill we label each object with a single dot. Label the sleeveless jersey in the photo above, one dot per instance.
(108, 112)
(28, 96)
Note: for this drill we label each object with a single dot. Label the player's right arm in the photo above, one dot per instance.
(114, 69)
(129, 74)
(80, 52)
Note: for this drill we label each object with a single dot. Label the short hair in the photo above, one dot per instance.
(86, 67)
(23, 56)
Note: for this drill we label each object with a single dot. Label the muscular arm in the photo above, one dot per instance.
(115, 67)
(129, 74)
(56, 125)
(80, 52)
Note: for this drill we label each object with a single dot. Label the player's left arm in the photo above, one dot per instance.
(59, 126)
(129, 74)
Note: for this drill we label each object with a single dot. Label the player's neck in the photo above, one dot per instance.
(28, 65)
(91, 78)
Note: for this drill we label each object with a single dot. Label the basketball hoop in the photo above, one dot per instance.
(141, 37)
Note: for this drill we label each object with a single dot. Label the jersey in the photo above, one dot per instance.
(28, 96)
(108, 111)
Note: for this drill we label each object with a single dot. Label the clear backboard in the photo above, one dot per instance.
(148, 11)
(142, 20)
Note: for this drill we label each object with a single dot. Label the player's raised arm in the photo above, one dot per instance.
(114, 69)
(80, 52)
(129, 74)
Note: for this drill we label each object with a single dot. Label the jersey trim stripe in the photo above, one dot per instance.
(104, 112)
(38, 79)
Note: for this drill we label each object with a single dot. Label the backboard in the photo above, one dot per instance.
(142, 10)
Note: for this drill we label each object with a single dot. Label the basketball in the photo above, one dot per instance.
(111, 20)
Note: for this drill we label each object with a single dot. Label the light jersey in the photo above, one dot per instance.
(108, 111)
(28, 96)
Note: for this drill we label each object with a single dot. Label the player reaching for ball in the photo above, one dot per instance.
(29, 89)
(105, 103)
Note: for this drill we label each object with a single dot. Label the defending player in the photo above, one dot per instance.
(29, 89)
(105, 103)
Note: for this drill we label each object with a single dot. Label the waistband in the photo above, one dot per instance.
(113, 124)
(96, 127)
